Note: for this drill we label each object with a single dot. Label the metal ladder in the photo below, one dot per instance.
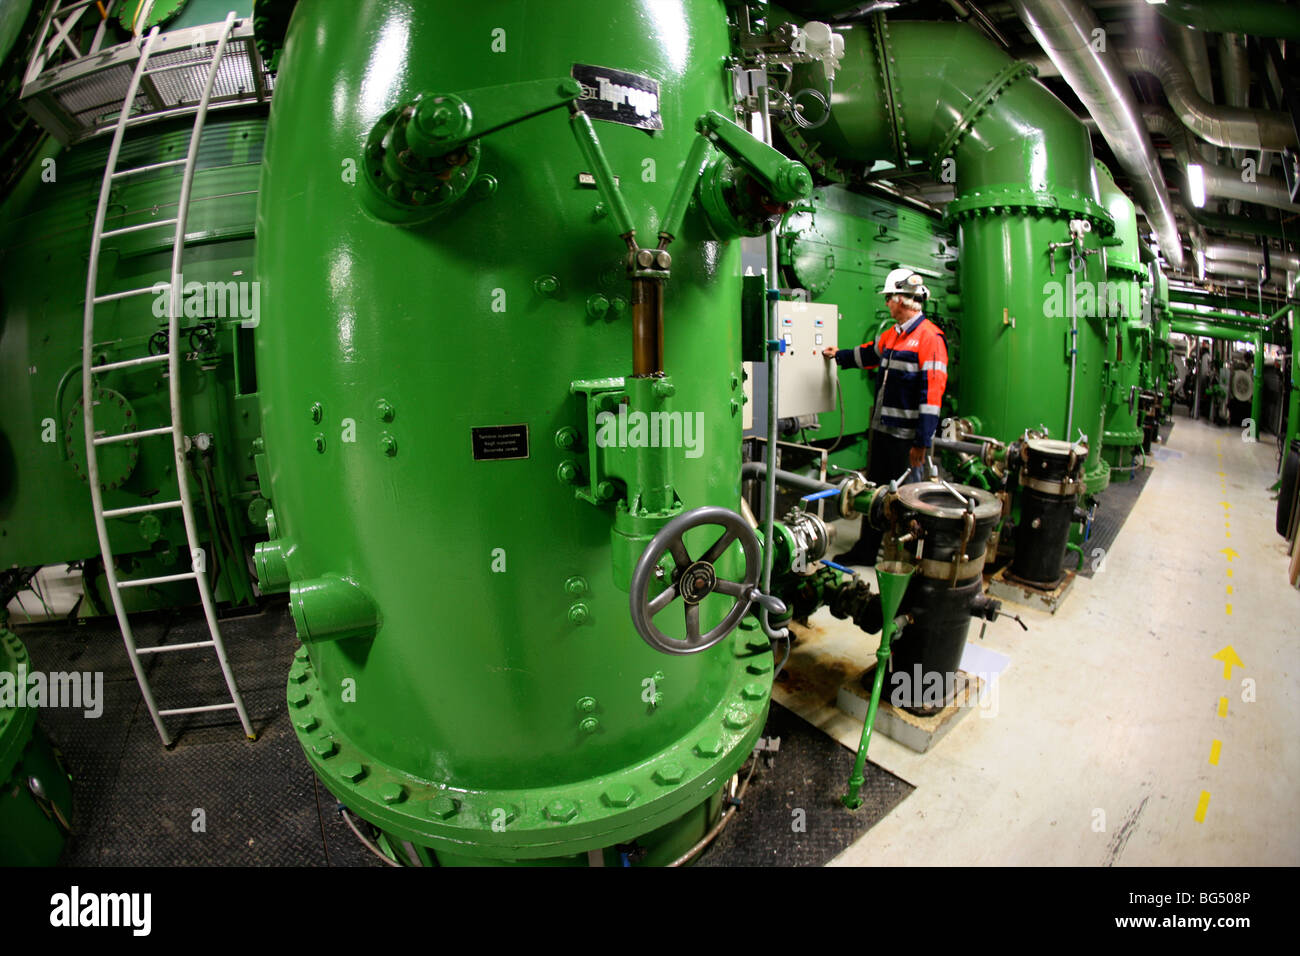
(198, 572)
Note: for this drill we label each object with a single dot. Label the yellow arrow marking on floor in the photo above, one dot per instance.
(1215, 748)
(1229, 657)
(1227, 609)
(1229, 570)
(1202, 805)
(1223, 707)
(1229, 591)
(1226, 506)
(1229, 553)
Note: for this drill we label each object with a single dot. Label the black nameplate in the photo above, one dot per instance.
(500, 442)
(618, 96)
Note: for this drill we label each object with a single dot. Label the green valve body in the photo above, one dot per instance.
(470, 680)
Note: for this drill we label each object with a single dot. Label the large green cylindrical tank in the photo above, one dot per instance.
(35, 791)
(470, 681)
(1120, 304)
(1021, 165)
(45, 224)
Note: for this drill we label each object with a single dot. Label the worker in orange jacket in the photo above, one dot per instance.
(914, 359)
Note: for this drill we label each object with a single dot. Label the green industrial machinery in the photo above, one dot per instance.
(537, 252)
(35, 790)
(1027, 213)
(1125, 312)
(839, 245)
(45, 515)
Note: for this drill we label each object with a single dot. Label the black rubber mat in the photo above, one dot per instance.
(1114, 505)
(792, 815)
(135, 801)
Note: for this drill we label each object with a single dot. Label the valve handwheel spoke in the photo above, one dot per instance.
(694, 580)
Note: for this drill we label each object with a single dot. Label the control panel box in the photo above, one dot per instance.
(807, 378)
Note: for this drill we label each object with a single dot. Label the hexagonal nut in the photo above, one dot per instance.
(709, 747)
(352, 771)
(619, 794)
(298, 697)
(737, 717)
(392, 793)
(669, 774)
(561, 810)
(307, 723)
(443, 807)
(325, 747)
(753, 691)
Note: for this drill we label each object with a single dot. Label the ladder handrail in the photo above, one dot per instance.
(198, 568)
(173, 367)
(88, 387)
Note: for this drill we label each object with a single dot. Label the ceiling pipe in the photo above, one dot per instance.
(1225, 251)
(1236, 86)
(1228, 126)
(1250, 227)
(1223, 182)
(1064, 29)
(1191, 49)
(1258, 18)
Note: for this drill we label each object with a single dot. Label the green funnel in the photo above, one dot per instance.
(891, 579)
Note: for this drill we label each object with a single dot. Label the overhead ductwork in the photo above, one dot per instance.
(1064, 29)
(1228, 126)
(1222, 182)
(1223, 251)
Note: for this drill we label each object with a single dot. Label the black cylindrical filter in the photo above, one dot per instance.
(949, 539)
(1050, 483)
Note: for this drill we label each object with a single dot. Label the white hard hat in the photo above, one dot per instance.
(905, 282)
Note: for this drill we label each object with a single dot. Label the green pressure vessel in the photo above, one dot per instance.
(1126, 315)
(942, 95)
(35, 791)
(469, 680)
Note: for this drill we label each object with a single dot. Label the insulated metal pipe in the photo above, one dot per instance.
(1232, 127)
(1065, 30)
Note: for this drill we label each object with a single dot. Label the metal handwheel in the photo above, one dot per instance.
(695, 579)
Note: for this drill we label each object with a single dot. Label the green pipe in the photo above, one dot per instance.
(1214, 331)
(1259, 18)
(589, 144)
(1071, 546)
(1254, 321)
(1257, 398)
(892, 578)
(1240, 303)
(685, 189)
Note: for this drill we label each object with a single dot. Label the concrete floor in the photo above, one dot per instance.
(1107, 745)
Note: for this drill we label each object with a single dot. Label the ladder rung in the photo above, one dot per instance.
(161, 114)
(130, 363)
(140, 509)
(70, 8)
(148, 169)
(139, 228)
(128, 436)
(148, 290)
(165, 579)
(176, 66)
(164, 648)
(175, 711)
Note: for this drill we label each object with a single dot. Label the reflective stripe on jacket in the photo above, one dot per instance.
(914, 373)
